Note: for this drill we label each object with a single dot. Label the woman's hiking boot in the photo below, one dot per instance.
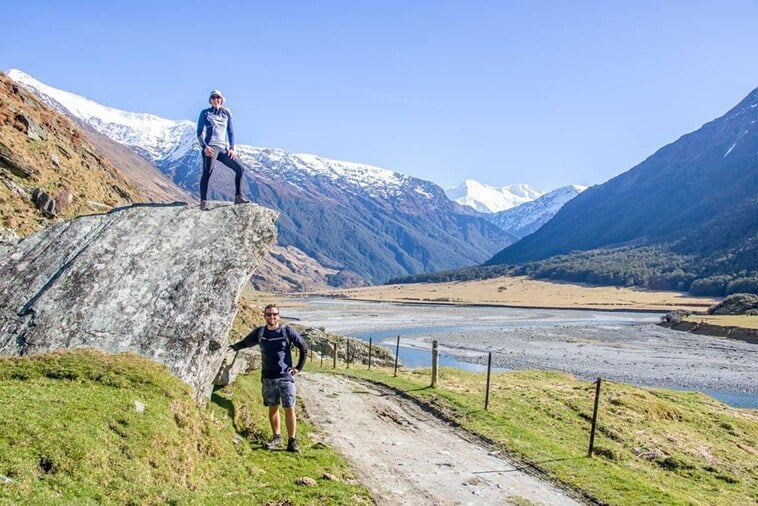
(275, 443)
(204, 205)
(292, 445)
(239, 199)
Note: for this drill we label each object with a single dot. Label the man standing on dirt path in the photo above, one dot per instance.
(277, 373)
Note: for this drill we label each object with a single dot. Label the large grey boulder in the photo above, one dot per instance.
(158, 280)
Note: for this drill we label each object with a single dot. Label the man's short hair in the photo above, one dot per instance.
(270, 306)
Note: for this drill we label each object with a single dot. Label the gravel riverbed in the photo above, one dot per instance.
(620, 346)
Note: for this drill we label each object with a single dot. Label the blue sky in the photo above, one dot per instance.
(547, 93)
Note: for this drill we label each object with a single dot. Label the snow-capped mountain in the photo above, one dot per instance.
(524, 219)
(374, 182)
(152, 135)
(489, 199)
(692, 205)
(165, 141)
(365, 222)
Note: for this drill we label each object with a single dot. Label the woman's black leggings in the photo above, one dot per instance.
(208, 165)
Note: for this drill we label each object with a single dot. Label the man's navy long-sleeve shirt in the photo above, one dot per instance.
(276, 349)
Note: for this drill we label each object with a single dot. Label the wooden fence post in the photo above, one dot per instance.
(370, 339)
(334, 363)
(594, 417)
(489, 370)
(435, 363)
(347, 355)
(397, 353)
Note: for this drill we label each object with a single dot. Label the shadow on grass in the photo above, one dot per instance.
(241, 421)
(527, 467)
(404, 393)
(223, 403)
(419, 389)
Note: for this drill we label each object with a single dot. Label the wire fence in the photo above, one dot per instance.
(350, 357)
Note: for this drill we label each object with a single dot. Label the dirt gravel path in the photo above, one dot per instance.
(408, 456)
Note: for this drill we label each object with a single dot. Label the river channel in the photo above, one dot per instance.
(626, 347)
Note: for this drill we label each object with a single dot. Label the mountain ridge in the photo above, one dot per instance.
(49, 170)
(695, 198)
(528, 217)
(155, 135)
(363, 221)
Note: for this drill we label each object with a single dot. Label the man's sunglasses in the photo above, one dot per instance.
(271, 314)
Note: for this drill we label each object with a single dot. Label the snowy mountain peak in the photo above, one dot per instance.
(165, 141)
(524, 219)
(489, 199)
(579, 188)
(151, 134)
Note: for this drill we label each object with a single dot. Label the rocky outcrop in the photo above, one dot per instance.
(158, 280)
(234, 364)
(355, 351)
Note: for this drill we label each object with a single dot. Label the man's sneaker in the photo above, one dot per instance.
(204, 205)
(275, 443)
(239, 199)
(292, 445)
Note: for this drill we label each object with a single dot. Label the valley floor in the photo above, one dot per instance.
(628, 347)
(521, 291)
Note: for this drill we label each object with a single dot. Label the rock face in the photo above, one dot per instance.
(158, 280)
(235, 364)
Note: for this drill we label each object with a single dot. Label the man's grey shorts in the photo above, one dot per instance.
(279, 391)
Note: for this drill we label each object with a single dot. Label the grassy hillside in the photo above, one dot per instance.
(87, 428)
(652, 446)
(42, 150)
(651, 267)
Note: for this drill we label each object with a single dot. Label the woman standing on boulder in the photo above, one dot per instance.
(216, 136)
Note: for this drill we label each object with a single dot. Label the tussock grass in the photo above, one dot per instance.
(652, 446)
(73, 431)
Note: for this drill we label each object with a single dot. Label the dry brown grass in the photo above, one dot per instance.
(743, 321)
(521, 291)
(62, 159)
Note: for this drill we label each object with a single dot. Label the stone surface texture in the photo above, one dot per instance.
(235, 364)
(158, 280)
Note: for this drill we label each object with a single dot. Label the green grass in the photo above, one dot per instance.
(652, 446)
(70, 434)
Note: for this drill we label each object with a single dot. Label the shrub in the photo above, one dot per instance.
(710, 286)
(738, 303)
(743, 285)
